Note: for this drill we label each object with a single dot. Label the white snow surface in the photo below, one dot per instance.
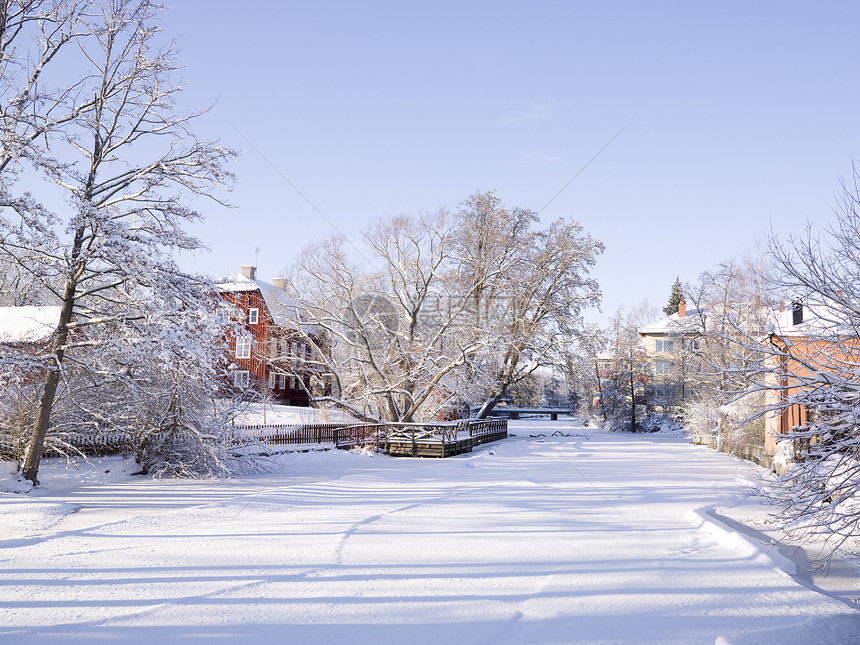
(27, 324)
(560, 534)
(276, 414)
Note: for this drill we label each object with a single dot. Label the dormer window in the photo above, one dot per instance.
(796, 312)
(253, 316)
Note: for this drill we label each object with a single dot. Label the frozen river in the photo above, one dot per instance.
(582, 537)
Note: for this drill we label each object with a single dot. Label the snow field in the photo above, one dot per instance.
(590, 538)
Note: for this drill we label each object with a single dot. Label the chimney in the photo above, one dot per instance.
(682, 309)
(249, 271)
(280, 283)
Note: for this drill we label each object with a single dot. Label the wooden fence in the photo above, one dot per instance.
(291, 433)
(88, 444)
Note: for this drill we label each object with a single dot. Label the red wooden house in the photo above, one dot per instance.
(275, 354)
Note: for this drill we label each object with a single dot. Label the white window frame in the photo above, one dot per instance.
(273, 348)
(663, 367)
(253, 316)
(242, 379)
(292, 382)
(271, 380)
(243, 347)
(282, 381)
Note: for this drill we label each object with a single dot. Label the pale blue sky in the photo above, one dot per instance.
(739, 113)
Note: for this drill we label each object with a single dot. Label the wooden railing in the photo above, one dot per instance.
(369, 435)
(485, 430)
(358, 435)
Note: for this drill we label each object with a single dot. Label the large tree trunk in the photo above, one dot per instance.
(52, 379)
(491, 403)
(46, 402)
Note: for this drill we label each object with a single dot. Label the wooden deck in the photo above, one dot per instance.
(399, 439)
(437, 440)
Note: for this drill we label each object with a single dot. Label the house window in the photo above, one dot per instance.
(664, 345)
(663, 367)
(243, 347)
(253, 316)
(271, 380)
(285, 349)
(242, 379)
(282, 381)
(292, 382)
(273, 348)
(695, 345)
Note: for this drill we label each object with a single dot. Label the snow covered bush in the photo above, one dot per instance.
(656, 422)
(701, 416)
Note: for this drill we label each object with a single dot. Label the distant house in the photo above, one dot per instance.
(670, 344)
(274, 354)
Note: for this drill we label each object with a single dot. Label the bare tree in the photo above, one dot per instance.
(582, 369)
(456, 308)
(628, 374)
(395, 336)
(122, 157)
(813, 358)
(725, 367)
(528, 287)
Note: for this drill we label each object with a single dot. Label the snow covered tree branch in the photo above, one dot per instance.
(121, 157)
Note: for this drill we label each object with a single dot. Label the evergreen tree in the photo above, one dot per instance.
(675, 298)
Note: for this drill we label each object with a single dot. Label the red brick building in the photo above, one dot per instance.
(274, 355)
(807, 341)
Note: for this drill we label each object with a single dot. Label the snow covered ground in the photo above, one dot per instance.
(275, 414)
(579, 537)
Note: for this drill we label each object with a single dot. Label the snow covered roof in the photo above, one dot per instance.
(283, 309)
(675, 324)
(27, 324)
(816, 319)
